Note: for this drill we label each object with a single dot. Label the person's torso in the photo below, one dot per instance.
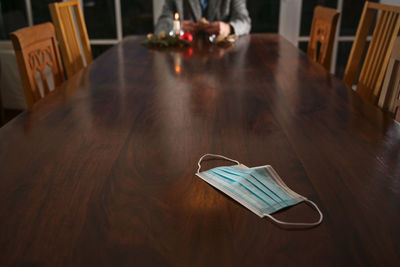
(217, 10)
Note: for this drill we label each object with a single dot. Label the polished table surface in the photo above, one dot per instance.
(102, 172)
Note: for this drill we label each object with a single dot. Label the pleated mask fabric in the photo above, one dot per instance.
(260, 189)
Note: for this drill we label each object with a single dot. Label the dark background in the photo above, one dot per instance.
(137, 18)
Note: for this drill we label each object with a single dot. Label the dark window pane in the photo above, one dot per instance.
(97, 50)
(307, 12)
(13, 17)
(351, 15)
(343, 53)
(264, 15)
(40, 10)
(100, 19)
(344, 49)
(303, 46)
(137, 16)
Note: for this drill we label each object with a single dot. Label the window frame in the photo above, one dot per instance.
(338, 38)
(110, 41)
(285, 23)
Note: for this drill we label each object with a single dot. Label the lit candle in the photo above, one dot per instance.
(177, 25)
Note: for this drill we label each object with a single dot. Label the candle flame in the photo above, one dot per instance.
(176, 16)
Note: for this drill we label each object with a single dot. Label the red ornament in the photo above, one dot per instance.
(188, 53)
(187, 36)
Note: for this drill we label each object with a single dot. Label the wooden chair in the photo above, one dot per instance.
(72, 34)
(377, 57)
(37, 54)
(322, 36)
(389, 98)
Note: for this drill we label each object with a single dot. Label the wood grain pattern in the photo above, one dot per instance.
(322, 35)
(36, 50)
(385, 31)
(2, 117)
(72, 34)
(102, 173)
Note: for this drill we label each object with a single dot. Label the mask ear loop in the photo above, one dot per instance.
(310, 203)
(215, 156)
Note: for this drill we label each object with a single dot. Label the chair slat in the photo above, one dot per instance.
(377, 6)
(357, 50)
(83, 34)
(378, 53)
(383, 48)
(72, 39)
(36, 49)
(72, 34)
(323, 31)
(389, 98)
(371, 53)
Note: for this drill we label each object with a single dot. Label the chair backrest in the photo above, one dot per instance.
(322, 36)
(72, 33)
(38, 59)
(389, 98)
(377, 57)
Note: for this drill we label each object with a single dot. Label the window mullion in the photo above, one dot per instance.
(29, 13)
(336, 43)
(118, 19)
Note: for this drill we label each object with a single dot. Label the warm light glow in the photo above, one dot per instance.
(178, 69)
(176, 16)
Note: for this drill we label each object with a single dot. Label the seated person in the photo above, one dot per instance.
(225, 16)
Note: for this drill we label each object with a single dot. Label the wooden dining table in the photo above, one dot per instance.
(102, 171)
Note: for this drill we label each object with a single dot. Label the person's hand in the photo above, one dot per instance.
(189, 26)
(218, 27)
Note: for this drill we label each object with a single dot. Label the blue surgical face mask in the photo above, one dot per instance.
(259, 189)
